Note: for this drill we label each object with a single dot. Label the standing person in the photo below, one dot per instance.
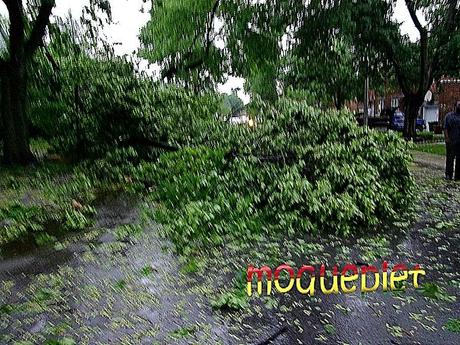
(452, 136)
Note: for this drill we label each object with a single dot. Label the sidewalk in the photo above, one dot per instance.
(430, 160)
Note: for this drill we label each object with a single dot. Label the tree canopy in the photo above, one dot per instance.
(416, 65)
(322, 48)
(213, 39)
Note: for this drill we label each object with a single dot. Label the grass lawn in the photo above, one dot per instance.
(437, 149)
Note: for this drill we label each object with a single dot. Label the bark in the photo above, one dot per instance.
(429, 67)
(16, 149)
(339, 100)
(412, 104)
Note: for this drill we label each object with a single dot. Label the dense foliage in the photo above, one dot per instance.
(301, 171)
(87, 103)
(34, 207)
(116, 111)
(213, 38)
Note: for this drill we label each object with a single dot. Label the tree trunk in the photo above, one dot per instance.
(412, 104)
(16, 148)
(339, 100)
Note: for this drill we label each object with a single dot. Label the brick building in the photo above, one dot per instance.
(439, 101)
(446, 94)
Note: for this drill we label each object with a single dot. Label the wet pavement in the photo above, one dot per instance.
(430, 160)
(116, 284)
(121, 283)
(431, 240)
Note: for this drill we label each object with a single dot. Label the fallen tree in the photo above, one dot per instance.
(301, 171)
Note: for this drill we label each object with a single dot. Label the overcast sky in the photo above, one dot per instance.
(128, 21)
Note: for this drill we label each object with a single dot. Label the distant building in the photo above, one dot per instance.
(240, 118)
(439, 101)
(377, 103)
(446, 94)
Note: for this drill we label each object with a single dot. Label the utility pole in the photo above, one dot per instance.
(366, 89)
(366, 102)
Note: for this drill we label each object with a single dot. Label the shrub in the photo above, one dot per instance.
(428, 136)
(301, 170)
(39, 204)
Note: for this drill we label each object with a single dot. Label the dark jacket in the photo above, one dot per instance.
(452, 125)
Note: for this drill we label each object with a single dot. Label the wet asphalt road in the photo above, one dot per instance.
(103, 288)
(99, 289)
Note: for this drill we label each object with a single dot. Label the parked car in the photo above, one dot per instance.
(420, 125)
(397, 122)
(382, 123)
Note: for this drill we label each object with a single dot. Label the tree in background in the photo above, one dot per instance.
(22, 45)
(253, 34)
(328, 71)
(232, 104)
(326, 57)
(274, 45)
(25, 35)
(416, 65)
(199, 43)
(181, 36)
(78, 86)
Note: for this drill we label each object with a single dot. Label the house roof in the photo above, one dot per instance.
(450, 81)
